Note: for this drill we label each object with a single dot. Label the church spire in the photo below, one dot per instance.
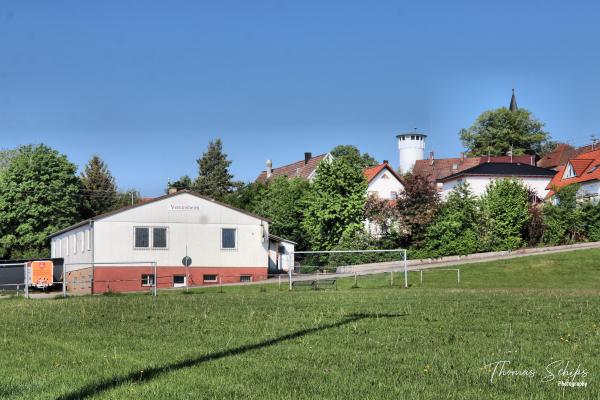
(513, 102)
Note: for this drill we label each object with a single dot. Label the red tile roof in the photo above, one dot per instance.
(435, 170)
(586, 167)
(298, 169)
(371, 173)
(561, 154)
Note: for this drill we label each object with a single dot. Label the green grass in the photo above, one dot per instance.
(373, 342)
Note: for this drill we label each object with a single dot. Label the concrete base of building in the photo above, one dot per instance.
(136, 279)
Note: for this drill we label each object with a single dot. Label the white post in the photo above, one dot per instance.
(279, 281)
(26, 280)
(64, 280)
(155, 279)
(405, 271)
(391, 278)
(458, 275)
(290, 266)
(421, 276)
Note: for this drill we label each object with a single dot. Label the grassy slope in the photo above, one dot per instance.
(428, 342)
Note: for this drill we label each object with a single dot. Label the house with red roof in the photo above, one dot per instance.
(303, 169)
(584, 169)
(383, 181)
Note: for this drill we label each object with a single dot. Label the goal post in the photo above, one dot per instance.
(401, 252)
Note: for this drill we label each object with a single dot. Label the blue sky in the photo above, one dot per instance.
(146, 85)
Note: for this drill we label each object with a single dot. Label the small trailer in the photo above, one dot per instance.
(39, 274)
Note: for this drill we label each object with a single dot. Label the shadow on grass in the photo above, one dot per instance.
(152, 373)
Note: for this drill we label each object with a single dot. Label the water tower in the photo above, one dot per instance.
(411, 147)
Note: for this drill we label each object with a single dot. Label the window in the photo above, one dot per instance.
(245, 278)
(159, 238)
(142, 238)
(148, 280)
(179, 280)
(210, 278)
(394, 195)
(228, 238)
(569, 172)
(455, 166)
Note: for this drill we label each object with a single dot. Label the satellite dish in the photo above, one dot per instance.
(186, 261)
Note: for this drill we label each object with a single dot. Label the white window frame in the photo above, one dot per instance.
(179, 284)
(569, 172)
(151, 279)
(235, 240)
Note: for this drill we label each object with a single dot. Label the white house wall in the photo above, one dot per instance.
(385, 187)
(74, 246)
(190, 221)
(478, 184)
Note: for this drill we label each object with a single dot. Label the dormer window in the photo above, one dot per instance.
(569, 172)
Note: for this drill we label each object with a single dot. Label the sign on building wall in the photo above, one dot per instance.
(183, 207)
(41, 273)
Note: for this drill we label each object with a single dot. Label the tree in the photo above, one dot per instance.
(498, 131)
(282, 202)
(127, 198)
(417, 206)
(183, 183)
(99, 187)
(214, 179)
(381, 216)
(353, 156)
(455, 228)
(591, 220)
(40, 194)
(563, 219)
(334, 204)
(505, 214)
(247, 196)
(6, 157)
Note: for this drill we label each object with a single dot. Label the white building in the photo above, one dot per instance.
(583, 170)
(383, 182)
(113, 250)
(411, 147)
(480, 176)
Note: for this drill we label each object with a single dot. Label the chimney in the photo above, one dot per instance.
(462, 156)
(269, 168)
(307, 157)
(431, 157)
(172, 189)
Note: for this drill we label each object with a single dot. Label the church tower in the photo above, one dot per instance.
(513, 102)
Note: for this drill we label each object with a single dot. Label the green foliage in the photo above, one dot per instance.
(6, 156)
(247, 196)
(495, 131)
(455, 228)
(564, 219)
(591, 220)
(127, 198)
(353, 156)
(40, 194)
(282, 202)
(214, 179)
(505, 214)
(99, 188)
(183, 183)
(334, 204)
(382, 216)
(417, 206)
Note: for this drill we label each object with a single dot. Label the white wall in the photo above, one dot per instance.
(385, 187)
(478, 184)
(190, 221)
(69, 246)
(410, 150)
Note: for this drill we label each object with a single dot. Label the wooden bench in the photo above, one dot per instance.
(316, 284)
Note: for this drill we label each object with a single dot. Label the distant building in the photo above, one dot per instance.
(304, 169)
(411, 148)
(584, 169)
(562, 153)
(114, 251)
(383, 181)
(480, 176)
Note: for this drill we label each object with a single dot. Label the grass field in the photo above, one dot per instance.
(373, 342)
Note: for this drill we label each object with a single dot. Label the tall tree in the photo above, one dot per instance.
(128, 198)
(99, 187)
(214, 179)
(334, 204)
(6, 157)
(417, 206)
(353, 156)
(282, 202)
(498, 131)
(454, 230)
(40, 194)
(183, 183)
(505, 215)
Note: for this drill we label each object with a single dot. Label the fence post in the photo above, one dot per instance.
(355, 279)
(279, 281)
(26, 280)
(290, 266)
(155, 279)
(421, 271)
(405, 272)
(220, 284)
(458, 275)
(64, 282)
(391, 278)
